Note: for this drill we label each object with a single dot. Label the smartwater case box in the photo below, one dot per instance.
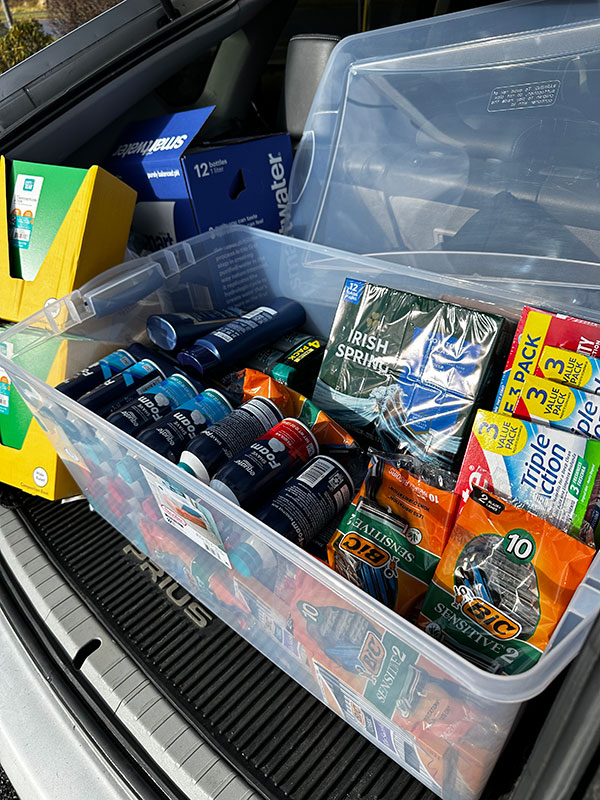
(183, 191)
(537, 330)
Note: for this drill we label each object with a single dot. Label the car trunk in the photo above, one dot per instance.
(283, 741)
(272, 732)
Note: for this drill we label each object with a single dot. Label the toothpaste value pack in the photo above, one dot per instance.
(536, 332)
(559, 406)
(549, 472)
(574, 369)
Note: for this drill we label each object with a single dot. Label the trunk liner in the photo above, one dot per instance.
(288, 745)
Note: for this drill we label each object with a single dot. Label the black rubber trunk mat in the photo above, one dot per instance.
(286, 743)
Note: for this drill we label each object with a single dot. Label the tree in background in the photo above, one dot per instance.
(7, 13)
(24, 39)
(66, 15)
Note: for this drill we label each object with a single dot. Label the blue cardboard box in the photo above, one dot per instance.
(182, 193)
(242, 181)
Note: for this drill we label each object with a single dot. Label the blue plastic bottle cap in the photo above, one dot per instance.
(246, 560)
(186, 468)
(161, 332)
(199, 358)
(224, 490)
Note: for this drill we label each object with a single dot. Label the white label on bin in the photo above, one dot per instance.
(187, 516)
(523, 95)
(40, 477)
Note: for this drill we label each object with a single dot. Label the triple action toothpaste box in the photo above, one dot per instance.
(559, 406)
(547, 471)
(575, 369)
(537, 331)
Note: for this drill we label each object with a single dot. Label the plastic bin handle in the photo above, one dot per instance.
(303, 165)
(122, 286)
(582, 611)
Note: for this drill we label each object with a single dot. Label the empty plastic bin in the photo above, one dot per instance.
(458, 133)
(437, 715)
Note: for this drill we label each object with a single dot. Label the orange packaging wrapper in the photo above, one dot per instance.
(397, 698)
(502, 584)
(392, 536)
(333, 440)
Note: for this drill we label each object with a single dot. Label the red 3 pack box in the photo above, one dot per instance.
(537, 330)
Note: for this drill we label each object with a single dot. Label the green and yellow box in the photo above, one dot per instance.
(59, 227)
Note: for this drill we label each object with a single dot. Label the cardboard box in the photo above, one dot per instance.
(182, 193)
(559, 406)
(66, 226)
(575, 369)
(59, 239)
(549, 472)
(28, 460)
(537, 330)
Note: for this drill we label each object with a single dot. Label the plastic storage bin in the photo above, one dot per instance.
(458, 133)
(440, 717)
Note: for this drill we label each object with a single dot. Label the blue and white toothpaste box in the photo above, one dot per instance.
(183, 191)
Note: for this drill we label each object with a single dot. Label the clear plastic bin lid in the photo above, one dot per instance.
(477, 131)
